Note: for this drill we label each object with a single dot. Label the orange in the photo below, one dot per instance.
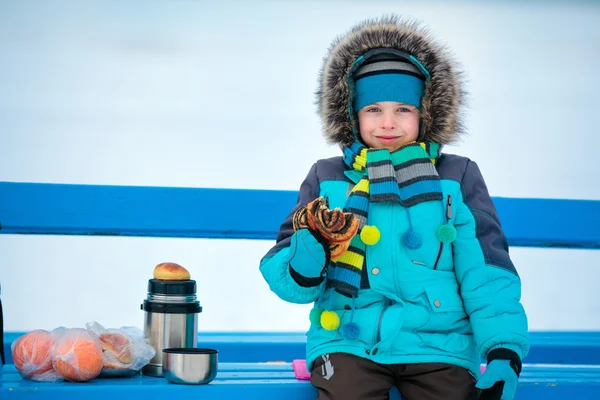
(78, 355)
(31, 353)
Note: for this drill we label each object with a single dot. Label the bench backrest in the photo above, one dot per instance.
(65, 209)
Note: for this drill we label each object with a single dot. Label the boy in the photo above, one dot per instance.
(412, 282)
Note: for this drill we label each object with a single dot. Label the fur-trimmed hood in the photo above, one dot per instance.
(444, 93)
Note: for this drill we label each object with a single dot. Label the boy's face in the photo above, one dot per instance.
(388, 124)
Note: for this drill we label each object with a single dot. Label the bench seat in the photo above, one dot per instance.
(276, 381)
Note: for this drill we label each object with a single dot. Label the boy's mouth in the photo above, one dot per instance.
(387, 139)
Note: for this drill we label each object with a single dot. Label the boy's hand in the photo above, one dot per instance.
(499, 381)
(308, 255)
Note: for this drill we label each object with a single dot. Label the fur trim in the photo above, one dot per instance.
(444, 95)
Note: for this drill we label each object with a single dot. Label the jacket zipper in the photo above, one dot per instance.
(378, 334)
(448, 217)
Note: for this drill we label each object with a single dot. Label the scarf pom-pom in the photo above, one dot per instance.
(446, 233)
(370, 235)
(350, 331)
(330, 320)
(315, 316)
(412, 239)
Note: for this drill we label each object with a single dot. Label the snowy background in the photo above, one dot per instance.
(177, 93)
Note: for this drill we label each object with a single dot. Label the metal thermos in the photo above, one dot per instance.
(170, 319)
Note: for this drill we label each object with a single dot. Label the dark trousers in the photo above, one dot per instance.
(342, 376)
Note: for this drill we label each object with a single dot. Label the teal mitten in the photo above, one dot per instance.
(499, 381)
(308, 255)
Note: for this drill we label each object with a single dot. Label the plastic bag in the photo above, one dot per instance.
(77, 355)
(80, 355)
(32, 355)
(125, 351)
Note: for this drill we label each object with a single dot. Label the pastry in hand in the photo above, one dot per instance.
(169, 271)
(335, 226)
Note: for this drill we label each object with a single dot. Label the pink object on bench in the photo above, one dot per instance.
(300, 370)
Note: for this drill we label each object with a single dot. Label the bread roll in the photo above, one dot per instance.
(118, 345)
(169, 271)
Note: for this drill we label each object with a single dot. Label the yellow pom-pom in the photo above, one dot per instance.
(330, 320)
(370, 235)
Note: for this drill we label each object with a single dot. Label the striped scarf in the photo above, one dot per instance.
(406, 176)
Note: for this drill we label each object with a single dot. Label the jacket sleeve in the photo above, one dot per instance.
(275, 265)
(490, 285)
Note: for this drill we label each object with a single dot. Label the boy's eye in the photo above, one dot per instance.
(404, 109)
(372, 109)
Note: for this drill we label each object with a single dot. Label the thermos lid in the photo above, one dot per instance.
(176, 288)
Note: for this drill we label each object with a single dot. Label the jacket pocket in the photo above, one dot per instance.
(448, 327)
(449, 342)
(444, 299)
(445, 308)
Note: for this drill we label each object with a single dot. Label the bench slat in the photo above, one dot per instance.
(61, 209)
(537, 381)
(253, 347)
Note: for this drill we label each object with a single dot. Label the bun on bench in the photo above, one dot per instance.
(169, 271)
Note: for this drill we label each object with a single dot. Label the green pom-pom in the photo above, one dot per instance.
(446, 233)
(370, 235)
(315, 316)
(330, 320)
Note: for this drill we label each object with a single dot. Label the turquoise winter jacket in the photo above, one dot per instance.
(449, 303)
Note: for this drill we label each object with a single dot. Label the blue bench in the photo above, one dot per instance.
(276, 381)
(34, 208)
(560, 365)
(245, 347)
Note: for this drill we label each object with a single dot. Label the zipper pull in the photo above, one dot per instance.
(449, 208)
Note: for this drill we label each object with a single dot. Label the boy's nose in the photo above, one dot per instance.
(387, 121)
